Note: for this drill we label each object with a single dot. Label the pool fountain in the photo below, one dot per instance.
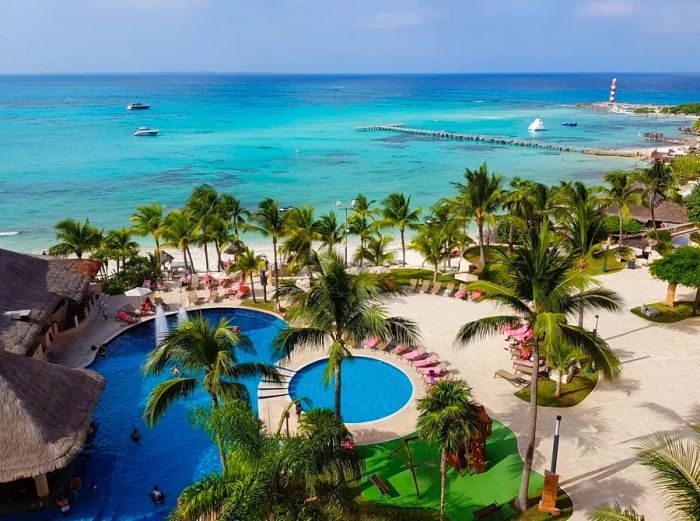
(182, 315)
(161, 324)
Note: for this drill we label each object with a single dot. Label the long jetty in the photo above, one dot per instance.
(496, 140)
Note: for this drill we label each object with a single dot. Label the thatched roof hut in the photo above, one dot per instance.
(665, 211)
(46, 411)
(40, 284)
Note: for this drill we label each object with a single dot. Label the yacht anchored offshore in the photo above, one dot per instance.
(536, 125)
(145, 131)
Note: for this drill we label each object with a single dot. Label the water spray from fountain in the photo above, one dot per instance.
(182, 316)
(161, 324)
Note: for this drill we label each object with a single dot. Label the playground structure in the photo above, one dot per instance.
(472, 457)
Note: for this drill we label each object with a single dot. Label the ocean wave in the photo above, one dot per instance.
(8, 234)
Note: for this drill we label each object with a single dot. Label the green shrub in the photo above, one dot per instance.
(629, 225)
(687, 108)
(134, 272)
(692, 204)
(695, 237)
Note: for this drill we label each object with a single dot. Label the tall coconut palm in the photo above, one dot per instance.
(75, 238)
(148, 220)
(338, 310)
(119, 246)
(659, 182)
(675, 464)
(431, 243)
(448, 418)
(269, 222)
(520, 203)
(620, 194)
(583, 226)
(230, 208)
(302, 231)
(364, 228)
(329, 231)
(203, 206)
(481, 195)
(249, 263)
(541, 288)
(206, 352)
(179, 230)
(396, 213)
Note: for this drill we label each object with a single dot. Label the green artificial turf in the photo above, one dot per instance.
(465, 494)
(572, 393)
(680, 311)
(403, 276)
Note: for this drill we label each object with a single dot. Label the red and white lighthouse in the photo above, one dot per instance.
(613, 88)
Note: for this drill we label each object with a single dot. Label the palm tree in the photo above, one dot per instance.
(560, 357)
(75, 238)
(232, 211)
(203, 205)
(375, 251)
(447, 417)
(302, 231)
(270, 222)
(179, 231)
(329, 231)
(659, 183)
(205, 351)
(119, 246)
(397, 213)
(481, 195)
(520, 202)
(541, 288)
(674, 463)
(431, 243)
(583, 227)
(248, 263)
(337, 311)
(619, 194)
(148, 220)
(364, 228)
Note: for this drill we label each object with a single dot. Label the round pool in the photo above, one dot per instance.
(174, 454)
(370, 389)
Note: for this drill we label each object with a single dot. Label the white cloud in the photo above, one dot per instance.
(606, 8)
(391, 20)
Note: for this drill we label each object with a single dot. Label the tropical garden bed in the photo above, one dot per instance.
(572, 393)
(680, 311)
(402, 276)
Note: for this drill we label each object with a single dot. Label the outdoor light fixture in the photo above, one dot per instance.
(555, 445)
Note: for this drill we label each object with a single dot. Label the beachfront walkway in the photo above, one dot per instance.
(657, 392)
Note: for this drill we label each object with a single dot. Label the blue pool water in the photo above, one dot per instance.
(370, 389)
(173, 454)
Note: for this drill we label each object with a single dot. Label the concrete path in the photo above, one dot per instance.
(658, 391)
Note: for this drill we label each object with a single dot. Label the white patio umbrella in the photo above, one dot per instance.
(138, 292)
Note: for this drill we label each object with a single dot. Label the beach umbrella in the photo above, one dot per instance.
(234, 248)
(165, 257)
(138, 292)
(222, 275)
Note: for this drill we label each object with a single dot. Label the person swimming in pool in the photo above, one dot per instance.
(157, 495)
(135, 435)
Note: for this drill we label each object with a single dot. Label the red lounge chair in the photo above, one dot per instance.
(242, 291)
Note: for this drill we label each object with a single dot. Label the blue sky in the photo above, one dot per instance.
(349, 35)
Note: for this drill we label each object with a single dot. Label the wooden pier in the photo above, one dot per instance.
(496, 140)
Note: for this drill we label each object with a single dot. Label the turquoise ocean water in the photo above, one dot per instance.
(66, 148)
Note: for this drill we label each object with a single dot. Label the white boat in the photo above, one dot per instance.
(536, 126)
(135, 105)
(145, 131)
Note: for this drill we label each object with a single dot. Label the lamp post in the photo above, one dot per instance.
(555, 445)
(595, 326)
(339, 206)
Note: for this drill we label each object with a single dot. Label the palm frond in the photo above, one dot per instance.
(483, 327)
(614, 512)
(164, 394)
(291, 338)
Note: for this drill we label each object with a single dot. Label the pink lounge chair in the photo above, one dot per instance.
(414, 355)
(432, 371)
(427, 362)
(372, 342)
(462, 291)
(242, 291)
(430, 380)
(476, 294)
(124, 317)
(400, 349)
(146, 283)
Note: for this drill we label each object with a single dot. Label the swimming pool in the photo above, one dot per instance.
(370, 389)
(173, 454)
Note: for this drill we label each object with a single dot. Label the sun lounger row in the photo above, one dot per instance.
(427, 365)
(437, 288)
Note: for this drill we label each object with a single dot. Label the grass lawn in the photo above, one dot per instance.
(572, 393)
(472, 253)
(681, 311)
(370, 511)
(595, 266)
(403, 276)
(465, 494)
(265, 306)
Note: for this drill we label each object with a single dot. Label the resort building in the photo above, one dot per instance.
(45, 409)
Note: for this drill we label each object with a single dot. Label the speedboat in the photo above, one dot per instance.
(536, 126)
(569, 124)
(145, 131)
(135, 105)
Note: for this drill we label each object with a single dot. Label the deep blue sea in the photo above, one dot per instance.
(66, 148)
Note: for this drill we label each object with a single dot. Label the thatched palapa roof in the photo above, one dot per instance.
(45, 411)
(664, 211)
(38, 283)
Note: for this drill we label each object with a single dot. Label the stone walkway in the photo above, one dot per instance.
(657, 393)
